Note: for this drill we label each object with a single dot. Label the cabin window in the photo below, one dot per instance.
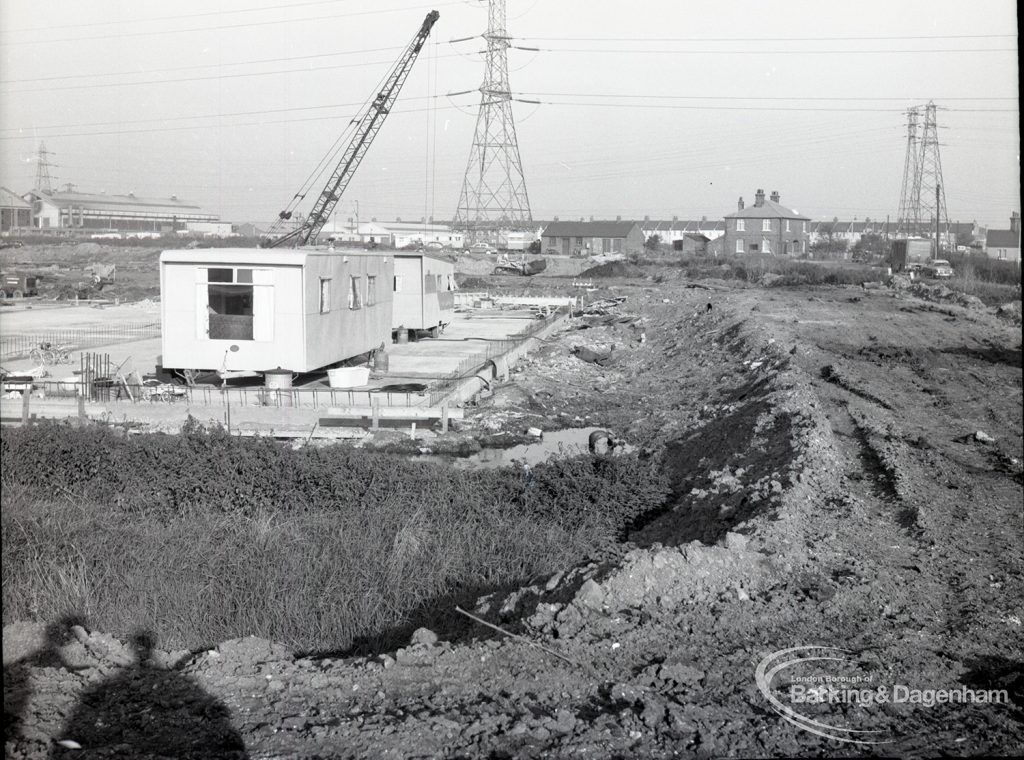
(739, 246)
(766, 246)
(754, 247)
(787, 225)
(741, 225)
(355, 300)
(371, 289)
(398, 283)
(429, 285)
(766, 225)
(325, 295)
(229, 303)
(440, 282)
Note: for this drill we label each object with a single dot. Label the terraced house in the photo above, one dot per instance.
(766, 227)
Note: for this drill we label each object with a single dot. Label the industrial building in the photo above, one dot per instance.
(89, 212)
(586, 238)
(249, 310)
(766, 227)
(15, 212)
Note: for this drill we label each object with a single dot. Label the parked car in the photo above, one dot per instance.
(11, 244)
(938, 268)
(482, 248)
(433, 245)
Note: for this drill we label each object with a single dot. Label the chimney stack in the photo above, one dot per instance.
(618, 219)
(740, 204)
(1015, 222)
(759, 198)
(774, 196)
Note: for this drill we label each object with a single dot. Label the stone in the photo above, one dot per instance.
(424, 637)
(982, 437)
(591, 595)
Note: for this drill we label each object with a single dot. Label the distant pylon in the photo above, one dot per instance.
(923, 197)
(44, 182)
(908, 219)
(493, 196)
(931, 188)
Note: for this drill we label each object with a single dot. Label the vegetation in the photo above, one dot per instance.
(204, 537)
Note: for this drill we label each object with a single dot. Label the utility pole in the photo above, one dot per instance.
(493, 197)
(938, 245)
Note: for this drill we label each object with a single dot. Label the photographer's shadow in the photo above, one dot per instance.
(149, 712)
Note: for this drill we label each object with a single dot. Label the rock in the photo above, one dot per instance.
(982, 437)
(735, 541)
(424, 637)
(591, 595)
(554, 580)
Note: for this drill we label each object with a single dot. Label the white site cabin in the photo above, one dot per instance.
(241, 311)
(424, 292)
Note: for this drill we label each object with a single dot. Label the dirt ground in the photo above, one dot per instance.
(847, 478)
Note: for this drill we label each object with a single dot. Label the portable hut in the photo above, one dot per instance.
(247, 310)
(424, 292)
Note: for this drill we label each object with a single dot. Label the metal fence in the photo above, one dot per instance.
(106, 390)
(75, 339)
(91, 383)
(473, 364)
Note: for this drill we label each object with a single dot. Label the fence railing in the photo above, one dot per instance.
(106, 390)
(473, 364)
(18, 346)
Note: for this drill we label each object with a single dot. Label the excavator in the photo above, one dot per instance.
(367, 124)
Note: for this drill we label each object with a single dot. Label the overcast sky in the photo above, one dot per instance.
(659, 108)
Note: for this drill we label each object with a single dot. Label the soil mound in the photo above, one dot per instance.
(613, 269)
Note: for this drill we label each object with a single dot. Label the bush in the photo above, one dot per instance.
(205, 536)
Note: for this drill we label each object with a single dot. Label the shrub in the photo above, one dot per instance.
(205, 536)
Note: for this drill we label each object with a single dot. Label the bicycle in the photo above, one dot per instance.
(49, 353)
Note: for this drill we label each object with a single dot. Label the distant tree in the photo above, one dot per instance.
(871, 244)
(653, 243)
(964, 238)
(534, 247)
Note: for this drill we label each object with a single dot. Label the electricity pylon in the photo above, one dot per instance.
(908, 219)
(493, 197)
(923, 197)
(44, 182)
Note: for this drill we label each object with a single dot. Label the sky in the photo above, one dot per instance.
(646, 109)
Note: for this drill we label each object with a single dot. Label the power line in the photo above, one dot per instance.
(118, 22)
(198, 66)
(668, 106)
(744, 97)
(215, 77)
(163, 32)
(747, 51)
(772, 39)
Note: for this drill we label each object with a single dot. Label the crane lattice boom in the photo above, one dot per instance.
(368, 124)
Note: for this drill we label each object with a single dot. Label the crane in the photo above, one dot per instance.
(367, 126)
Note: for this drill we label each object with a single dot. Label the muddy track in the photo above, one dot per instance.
(790, 525)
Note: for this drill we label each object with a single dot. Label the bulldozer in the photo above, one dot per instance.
(520, 267)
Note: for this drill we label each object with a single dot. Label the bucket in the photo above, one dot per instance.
(381, 361)
(277, 378)
(348, 377)
(403, 335)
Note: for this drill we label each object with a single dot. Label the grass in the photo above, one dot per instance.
(321, 551)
